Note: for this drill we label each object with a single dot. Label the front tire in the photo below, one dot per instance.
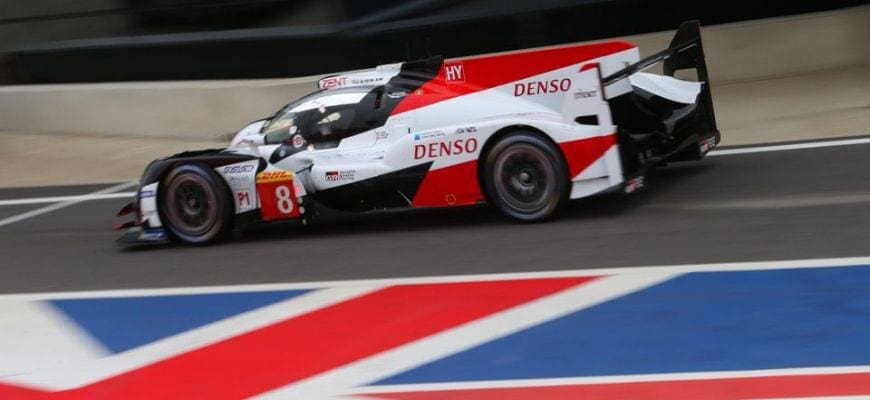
(525, 177)
(195, 205)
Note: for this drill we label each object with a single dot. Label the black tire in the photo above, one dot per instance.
(195, 205)
(525, 177)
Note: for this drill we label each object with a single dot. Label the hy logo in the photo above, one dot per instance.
(454, 72)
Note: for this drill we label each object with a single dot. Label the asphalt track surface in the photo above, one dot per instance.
(795, 204)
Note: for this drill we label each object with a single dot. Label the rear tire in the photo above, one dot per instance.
(525, 177)
(195, 205)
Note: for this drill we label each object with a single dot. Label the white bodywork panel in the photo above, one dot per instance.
(379, 76)
(673, 89)
(453, 131)
(242, 182)
(148, 204)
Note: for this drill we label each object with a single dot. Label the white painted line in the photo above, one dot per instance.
(774, 203)
(345, 379)
(64, 204)
(37, 337)
(96, 369)
(667, 269)
(784, 147)
(59, 199)
(587, 380)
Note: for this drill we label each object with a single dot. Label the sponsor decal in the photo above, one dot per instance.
(428, 135)
(364, 81)
(419, 92)
(469, 129)
(532, 88)
(585, 94)
(397, 95)
(708, 144)
(382, 135)
(298, 141)
(274, 176)
(153, 235)
(454, 72)
(146, 193)
(334, 176)
(243, 200)
(446, 148)
(235, 180)
(238, 169)
(332, 82)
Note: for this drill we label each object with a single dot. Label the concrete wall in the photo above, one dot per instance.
(213, 109)
(779, 46)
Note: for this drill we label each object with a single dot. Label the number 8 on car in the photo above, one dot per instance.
(277, 195)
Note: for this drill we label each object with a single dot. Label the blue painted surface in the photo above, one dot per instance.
(123, 323)
(696, 322)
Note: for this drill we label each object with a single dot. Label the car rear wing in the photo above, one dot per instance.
(686, 51)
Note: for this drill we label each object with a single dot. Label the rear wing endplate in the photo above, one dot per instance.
(686, 51)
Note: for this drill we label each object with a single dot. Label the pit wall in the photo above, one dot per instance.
(213, 110)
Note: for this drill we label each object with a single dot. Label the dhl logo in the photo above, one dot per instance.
(274, 176)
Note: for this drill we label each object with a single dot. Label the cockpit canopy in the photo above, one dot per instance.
(326, 117)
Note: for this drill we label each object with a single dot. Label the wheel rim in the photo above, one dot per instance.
(192, 204)
(524, 178)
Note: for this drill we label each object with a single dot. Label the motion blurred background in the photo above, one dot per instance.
(91, 91)
(50, 41)
(120, 82)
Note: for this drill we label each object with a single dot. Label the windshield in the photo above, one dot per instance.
(313, 114)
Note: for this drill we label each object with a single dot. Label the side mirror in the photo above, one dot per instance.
(249, 130)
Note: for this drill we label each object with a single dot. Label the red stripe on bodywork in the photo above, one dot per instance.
(21, 393)
(450, 186)
(580, 154)
(457, 185)
(285, 352)
(490, 71)
(767, 387)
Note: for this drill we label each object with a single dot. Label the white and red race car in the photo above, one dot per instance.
(524, 132)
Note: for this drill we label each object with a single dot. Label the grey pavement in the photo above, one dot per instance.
(691, 213)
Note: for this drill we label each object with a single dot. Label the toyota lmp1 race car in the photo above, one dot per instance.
(525, 132)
